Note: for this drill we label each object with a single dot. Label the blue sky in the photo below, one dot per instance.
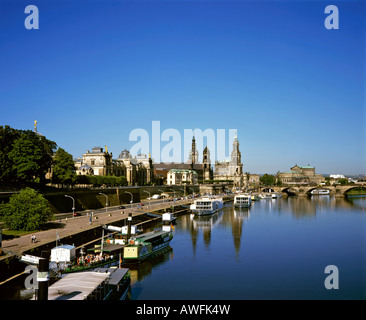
(96, 70)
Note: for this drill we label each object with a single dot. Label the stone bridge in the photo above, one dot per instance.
(338, 191)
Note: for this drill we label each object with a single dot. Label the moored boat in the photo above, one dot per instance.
(145, 245)
(206, 205)
(320, 192)
(242, 201)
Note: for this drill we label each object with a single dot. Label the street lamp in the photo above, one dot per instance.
(173, 200)
(149, 197)
(106, 202)
(131, 199)
(73, 205)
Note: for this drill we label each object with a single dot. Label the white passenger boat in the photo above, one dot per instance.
(320, 192)
(205, 206)
(242, 201)
(265, 196)
(276, 195)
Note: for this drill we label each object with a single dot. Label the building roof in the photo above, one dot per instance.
(183, 171)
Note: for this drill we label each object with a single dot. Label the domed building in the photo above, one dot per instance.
(138, 170)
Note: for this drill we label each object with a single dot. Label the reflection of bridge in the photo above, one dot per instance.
(338, 191)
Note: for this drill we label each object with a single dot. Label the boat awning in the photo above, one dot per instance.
(150, 235)
(108, 248)
(116, 274)
(76, 286)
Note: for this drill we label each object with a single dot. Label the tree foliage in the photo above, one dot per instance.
(267, 179)
(64, 170)
(25, 156)
(27, 211)
(7, 137)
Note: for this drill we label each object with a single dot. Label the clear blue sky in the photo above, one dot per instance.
(96, 70)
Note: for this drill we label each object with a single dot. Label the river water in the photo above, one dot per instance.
(277, 249)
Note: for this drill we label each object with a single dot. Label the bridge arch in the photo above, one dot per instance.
(291, 191)
(346, 190)
(308, 192)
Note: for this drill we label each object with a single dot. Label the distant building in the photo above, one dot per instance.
(232, 169)
(182, 176)
(203, 170)
(137, 170)
(301, 175)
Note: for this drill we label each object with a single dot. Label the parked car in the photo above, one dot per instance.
(121, 207)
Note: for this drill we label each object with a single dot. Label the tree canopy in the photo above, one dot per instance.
(267, 179)
(25, 155)
(64, 170)
(27, 211)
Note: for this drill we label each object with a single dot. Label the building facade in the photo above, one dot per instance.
(182, 176)
(232, 169)
(301, 175)
(138, 170)
(203, 170)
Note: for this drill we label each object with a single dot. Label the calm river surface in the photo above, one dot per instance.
(277, 249)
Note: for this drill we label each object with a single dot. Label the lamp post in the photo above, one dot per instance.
(149, 197)
(106, 202)
(73, 205)
(131, 199)
(161, 191)
(173, 200)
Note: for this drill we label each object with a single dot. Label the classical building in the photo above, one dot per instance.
(301, 175)
(182, 176)
(232, 169)
(97, 162)
(138, 170)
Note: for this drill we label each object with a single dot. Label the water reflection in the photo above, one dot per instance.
(267, 238)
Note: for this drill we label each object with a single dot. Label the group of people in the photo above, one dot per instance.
(91, 259)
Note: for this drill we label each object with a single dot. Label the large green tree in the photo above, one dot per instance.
(31, 155)
(64, 171)
(7, 137)
(28, 210)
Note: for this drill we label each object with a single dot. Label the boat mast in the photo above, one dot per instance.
(129, 220)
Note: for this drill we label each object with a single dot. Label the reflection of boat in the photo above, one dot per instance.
(242, 201)
(206, 206)
(320, 192)
(242, 213)
(207, 222)
(145, 245)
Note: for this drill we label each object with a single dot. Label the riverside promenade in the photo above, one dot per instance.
(73, 225)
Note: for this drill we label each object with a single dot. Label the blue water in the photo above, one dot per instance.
(277, 249)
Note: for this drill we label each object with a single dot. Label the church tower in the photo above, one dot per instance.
(236, 167)
(207, 172)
